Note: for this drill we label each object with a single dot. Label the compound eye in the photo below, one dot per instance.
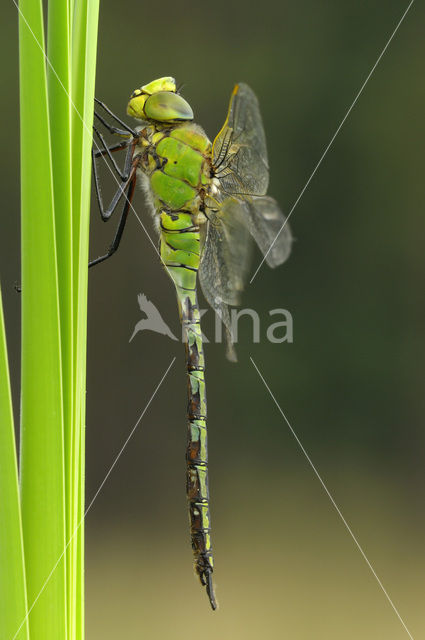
(166, 106)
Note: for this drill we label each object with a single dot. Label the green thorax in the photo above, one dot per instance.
(177, 160)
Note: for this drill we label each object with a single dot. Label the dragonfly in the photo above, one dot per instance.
(208, 202)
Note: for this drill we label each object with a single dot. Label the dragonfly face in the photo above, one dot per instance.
(158, 101)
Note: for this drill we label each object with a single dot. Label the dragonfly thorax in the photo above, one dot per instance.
(176, 160)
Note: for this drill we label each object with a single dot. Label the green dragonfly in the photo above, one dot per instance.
(207, 200)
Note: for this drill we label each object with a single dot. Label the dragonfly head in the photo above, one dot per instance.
(159, 101)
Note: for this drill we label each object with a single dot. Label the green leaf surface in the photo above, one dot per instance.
(57, 92)
(42, 432)
(13, 598)
(83, 56)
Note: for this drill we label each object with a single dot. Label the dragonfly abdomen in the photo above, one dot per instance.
(180, 251)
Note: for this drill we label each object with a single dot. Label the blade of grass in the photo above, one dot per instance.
(83, 51)
(13, 596)
(42, 435)
(58, 84)
(54, 277)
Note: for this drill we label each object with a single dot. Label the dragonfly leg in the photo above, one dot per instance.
(121, 225)
(107, 212)
(107, 152)
(112, 114)
(111, 128)
(112, 149)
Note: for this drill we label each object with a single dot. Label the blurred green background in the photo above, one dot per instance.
(351, 384)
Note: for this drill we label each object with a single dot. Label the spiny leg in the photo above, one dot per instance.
(96, 154)
(114, 130)
(112, 149)
(106, 213)
(121, 225)
(106, 151)
(112, 114)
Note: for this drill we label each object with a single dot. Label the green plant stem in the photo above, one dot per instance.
(13, 597)
(42, 442)
(59, 89)
(83, 56)
(56, 125)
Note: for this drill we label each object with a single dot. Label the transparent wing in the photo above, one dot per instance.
(226, 252)
(224, 262)
(239, 151)
(227, 248)
(240, 163)
(269, 228)
(239, 209)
